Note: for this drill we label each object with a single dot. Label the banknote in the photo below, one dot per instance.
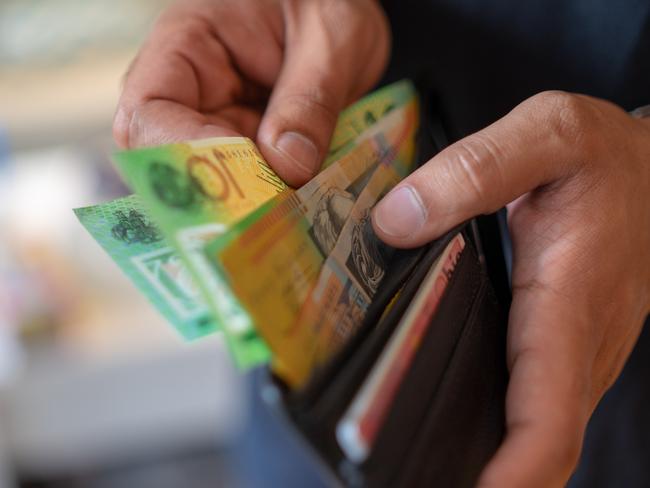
(272, 259)
(127, 233)
(157, 269)
(360, 424)
(357, 118)
(347, 282)
(195, 191)
(191, 191)
(218, 181)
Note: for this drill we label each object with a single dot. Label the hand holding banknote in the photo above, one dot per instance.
(576, 171)
(276, 71)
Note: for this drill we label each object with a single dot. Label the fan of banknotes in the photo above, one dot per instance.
(218, 242)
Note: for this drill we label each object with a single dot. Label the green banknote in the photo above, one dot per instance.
(126, 232)
(195, 191)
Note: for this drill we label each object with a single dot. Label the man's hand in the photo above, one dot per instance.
(278, 71)
(576, 174)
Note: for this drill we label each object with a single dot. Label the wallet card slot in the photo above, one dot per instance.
(415, 394)
(468, 408)
(318, 417)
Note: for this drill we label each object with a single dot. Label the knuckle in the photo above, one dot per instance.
(567, 116)
(475, 164)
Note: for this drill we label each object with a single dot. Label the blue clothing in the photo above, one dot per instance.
(482, 57)
(617, 446)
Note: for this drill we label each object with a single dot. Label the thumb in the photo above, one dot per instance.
(534, 145)
(315, 83)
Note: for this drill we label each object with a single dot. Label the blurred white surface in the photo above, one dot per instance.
(70, 415)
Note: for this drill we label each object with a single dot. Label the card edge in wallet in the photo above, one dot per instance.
(412, 473)
(319, 421)
(357, 428)
(461, 294)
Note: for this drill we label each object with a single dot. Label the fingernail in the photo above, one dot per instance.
(300, 150)
(400, 213)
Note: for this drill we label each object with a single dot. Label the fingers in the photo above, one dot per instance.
(541, 141)
(317, 80)
(548, 400)
(186, 84)
(163, 121)
(208, 66)
(162, 90)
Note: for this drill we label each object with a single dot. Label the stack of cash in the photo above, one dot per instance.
(218, 242)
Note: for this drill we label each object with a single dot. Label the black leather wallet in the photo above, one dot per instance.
(446, 418)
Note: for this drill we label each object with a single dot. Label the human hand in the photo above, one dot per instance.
(577, 173)
(278, 71)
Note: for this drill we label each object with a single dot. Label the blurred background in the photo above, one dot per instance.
(96, 390)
